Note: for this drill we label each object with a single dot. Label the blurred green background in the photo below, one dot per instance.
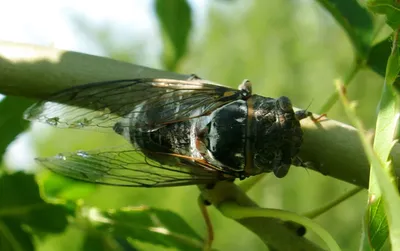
(291, 48)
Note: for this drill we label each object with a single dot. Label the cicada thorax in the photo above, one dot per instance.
(252, 136)
(221, 137)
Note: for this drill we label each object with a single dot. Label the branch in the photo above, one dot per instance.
(335, 150)
(36, 72)
(332, 147)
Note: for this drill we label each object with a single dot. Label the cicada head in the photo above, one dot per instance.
(278, 135)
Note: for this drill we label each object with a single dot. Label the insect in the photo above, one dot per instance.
(181, 132)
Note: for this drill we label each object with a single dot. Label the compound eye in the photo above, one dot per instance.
(285, 104)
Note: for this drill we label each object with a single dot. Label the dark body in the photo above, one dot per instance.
(242, 138)
(180, 132)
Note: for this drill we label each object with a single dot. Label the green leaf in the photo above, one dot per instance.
(96, 242)
(175, 20)
(149, 225)
(389, 8)
(20, 200)
(355, 20)
(383, 187)
(388, 109)
(11, 122)
(392, 72)
(377, 227)
(99, 242)
(380, 185)
(378, 56)
(13, 237)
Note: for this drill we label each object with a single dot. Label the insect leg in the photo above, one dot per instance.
(297, 161)
(210, 232)
(319, 118)
(302, 114)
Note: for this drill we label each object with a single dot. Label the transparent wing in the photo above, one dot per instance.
(125, 166)
(143, 103)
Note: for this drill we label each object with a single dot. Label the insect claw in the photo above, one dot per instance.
(207, 203)
(194, 77)
(319, 118)
(246, 86)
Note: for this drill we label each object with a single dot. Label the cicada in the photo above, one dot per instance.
(180, 132)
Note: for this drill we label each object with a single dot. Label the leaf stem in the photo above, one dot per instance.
(337, 201)
(355, 68)
(249, 183)
(395, 42)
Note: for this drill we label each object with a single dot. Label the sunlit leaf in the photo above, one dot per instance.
(389, 8)
(384, 201)
(175, 18)
(11, 121)
(355, 20)
(377, 227)
(58, 186)
(388, 110)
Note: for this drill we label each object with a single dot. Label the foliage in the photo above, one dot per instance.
(298, 49)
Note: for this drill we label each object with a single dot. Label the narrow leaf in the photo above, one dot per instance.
(376, 221)
(355, 20)
(380, 214)
(176, 21)
(389, 8)
(379, 56)
(105, 242)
